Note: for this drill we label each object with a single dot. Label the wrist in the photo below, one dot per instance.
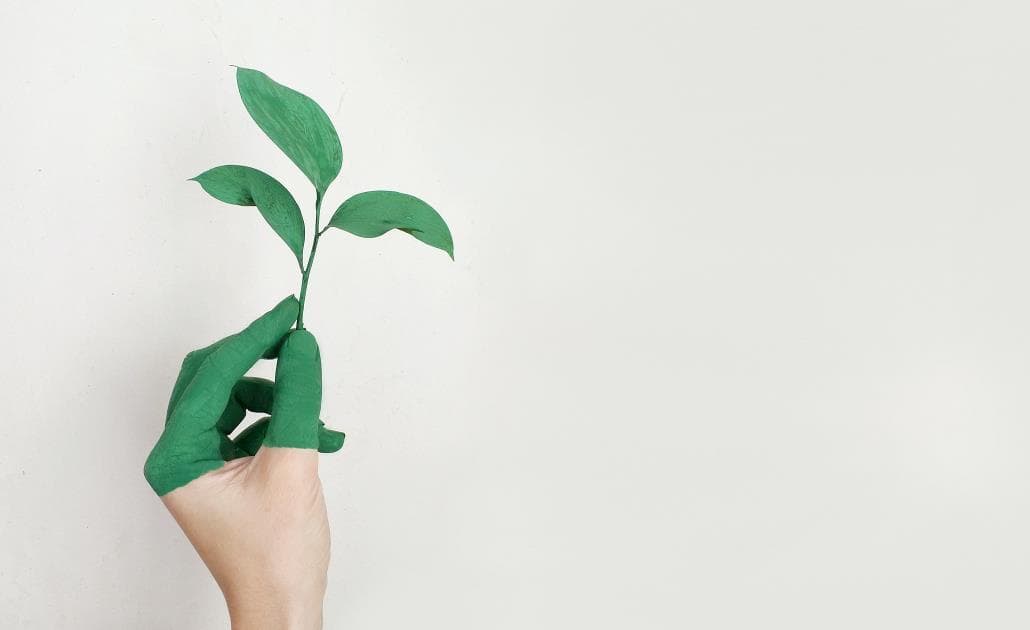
(263, 612)
(276, 620)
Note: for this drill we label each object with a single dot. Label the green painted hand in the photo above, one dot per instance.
(212, 395)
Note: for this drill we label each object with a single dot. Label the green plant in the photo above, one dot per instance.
(303, 131)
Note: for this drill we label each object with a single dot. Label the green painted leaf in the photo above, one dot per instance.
(245, 186)
(374, 213)
(295, 123)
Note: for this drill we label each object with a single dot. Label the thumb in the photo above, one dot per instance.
(297, 398)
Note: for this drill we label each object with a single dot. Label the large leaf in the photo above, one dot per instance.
(295, 123)
(374, 213)
(245, 186)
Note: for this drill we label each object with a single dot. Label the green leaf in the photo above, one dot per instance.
(245, 186)
(374, 213)
(295, 123)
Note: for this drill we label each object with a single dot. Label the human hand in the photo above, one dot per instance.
(252, 507)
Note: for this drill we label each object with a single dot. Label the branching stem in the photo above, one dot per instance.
(306, 272)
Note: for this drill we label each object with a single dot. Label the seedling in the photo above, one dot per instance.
(303, 131)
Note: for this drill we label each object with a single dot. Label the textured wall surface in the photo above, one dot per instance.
(738, 335)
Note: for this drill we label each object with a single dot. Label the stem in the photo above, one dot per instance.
(306, 272)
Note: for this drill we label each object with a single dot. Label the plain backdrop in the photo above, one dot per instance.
(737, 334)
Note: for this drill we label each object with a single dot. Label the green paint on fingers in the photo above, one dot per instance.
(298, 393)
(212, 396)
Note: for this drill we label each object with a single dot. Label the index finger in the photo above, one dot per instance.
(205, 397)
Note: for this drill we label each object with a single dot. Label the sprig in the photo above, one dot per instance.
(304, 132)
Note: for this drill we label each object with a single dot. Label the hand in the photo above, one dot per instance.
(252, 507)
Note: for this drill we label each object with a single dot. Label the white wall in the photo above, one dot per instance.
(737, 335)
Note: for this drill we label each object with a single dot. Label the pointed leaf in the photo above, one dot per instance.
(374, 213)
(245, 186)
(295, 123)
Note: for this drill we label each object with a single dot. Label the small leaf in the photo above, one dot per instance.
(245, 186)
(295, 123)
(374, 213)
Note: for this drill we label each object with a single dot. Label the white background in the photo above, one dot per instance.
(737, 335)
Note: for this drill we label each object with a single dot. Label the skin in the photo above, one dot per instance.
(252, 507)
(259, 523)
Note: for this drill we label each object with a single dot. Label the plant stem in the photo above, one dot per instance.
(311, 259)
